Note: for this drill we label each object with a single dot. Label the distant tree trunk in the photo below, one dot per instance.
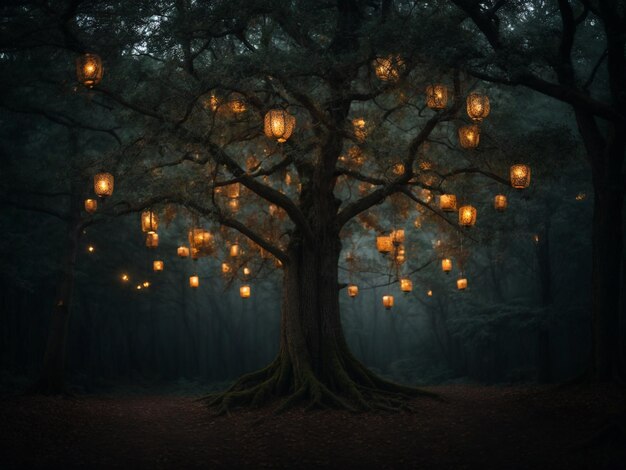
(52, 378)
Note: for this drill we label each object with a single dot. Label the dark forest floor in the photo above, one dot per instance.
(476, 427)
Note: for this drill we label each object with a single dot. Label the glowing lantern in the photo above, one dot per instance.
(446, 265)
(406, 285)
(91, 205)
(91, 248)
(237, 105)
(200, 239)
(461, 283)
(384, 244)
(520, 176)
(152, 239)
(500, 203)
(279, 124)
(400, 256)
(429, 293)
(353, 290)
(138, 286)
(182, 252)
(388, 301)
(234, 250)
(124, 278)
(232, 190)
(469, 136)
(233, 205)
(417, 223)
(146, 284)
(477, 106)
(195, 253)
(103, 184)
(398, 169)
(447, 202)
(157, 265)
(244, 291)
(246, 271)
(226, 268)
(388, 68)
(89, 69)
(149, 222)
(360, 132)
(194, 281)
(397, 236)
(467, 216)
(436, 96)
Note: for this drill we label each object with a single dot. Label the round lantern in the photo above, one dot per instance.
(149, 222)
(384, 244)
(467, 216)
(182, 252)
(388, 68)
(406, 285)
(436, 96)
(244, 291)
(520, 176)
(500, 203)
(469, 136)
(279, 124)
(91, 205)
(103, 184)
(152, 239)
(157, 265)
(89, 69)
(353, 290)
(447, 202)
(194, 281)
(461, 284)
(388, 301)
(446, 265)
(477, 106)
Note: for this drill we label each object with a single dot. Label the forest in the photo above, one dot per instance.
(313, 233)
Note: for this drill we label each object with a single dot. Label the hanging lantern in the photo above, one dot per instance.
(233, 190)
(398, 169)
(469, 136)
(360, 132)
(406, 285)
(226, 269)
(234, 250)
(201, 239)
(388, 68)
(477, 106)
(461, 283)
(520, 176)
(182, 252)
(103, 184)
(233, 205)
(124, 277)
(397, 236)
(388, 301)
(400, 255)
(149, 221)
(237, 104)
(138, 286)
(194, 281)
(91, 205)
(246, 271)
(436, 96)
(279, 125)
(500, 203)
(417, 223)
(152, 239)
(195, 253)
(384, 244)
(429, 293)
(157, 265)
(146, 284)
(447, 202)
(467, 216)
(353, 290)
(244, 291)
(89, 69)
(446, 265)
(91, 249)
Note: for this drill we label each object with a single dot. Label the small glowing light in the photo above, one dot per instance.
(246, 271)
(157, 265)
(461, 283)
(234, 250)
(91, 248)
(406, 285)
(145, 284)
(581, 196)
(244, 291)
(125, 277)
(353, 290)
(446, 265)
(194, 281)
(182, 252)
(429, 293)
(388, 301)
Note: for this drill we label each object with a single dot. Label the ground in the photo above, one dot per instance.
(482, 427)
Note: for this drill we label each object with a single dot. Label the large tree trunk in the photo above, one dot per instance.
(52, 378)
(314, 363)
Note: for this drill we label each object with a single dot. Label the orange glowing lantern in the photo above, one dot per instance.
(91, 205)
(436, 96)
(353, 290)
(234, 250)
(233, 190)
(244, 291)
(461, 283)
(157, 265)
(429, 293)
(149, 222)
(467, 216)
(397, 236)
(124, 277)
(446, 265)
(406, 285)
(279, 125)
(194, 281)
(89, 69)
(152, 239)
(477, 106)
(103, 184)
(469, 136)
(500, 202)
(384, 244)
(182, 252)
(226, 269)
(388, 301)
(447, 202)
(388, 68)
(520, 176)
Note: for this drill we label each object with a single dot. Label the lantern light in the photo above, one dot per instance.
(388, 69)
(436, 96)
(397, 236)
(138, 286)
(233, 190)
(406, 285)
(201, 239)
(91, 248)
(469, 136)
(226, 268)
(279, 125)
(384, 244)
(461, 283)
(89, 69)
(500, 202)
(398, 169)
(388, 301)
(91, 205)
(447, 202)
(234, 250)
(477, 106)
(353, 290)
(152, 239)
(244, 291)
(246, 271)
(103, 184)
(149, 221)
(359, 128)
(233, 205)
(446, 265)
(467, 216)
(157, 265)
(124, 277)
(429, 293)
(145, 284)
(520, 176)
(182, 252)
(194, 281)
(400, 255)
